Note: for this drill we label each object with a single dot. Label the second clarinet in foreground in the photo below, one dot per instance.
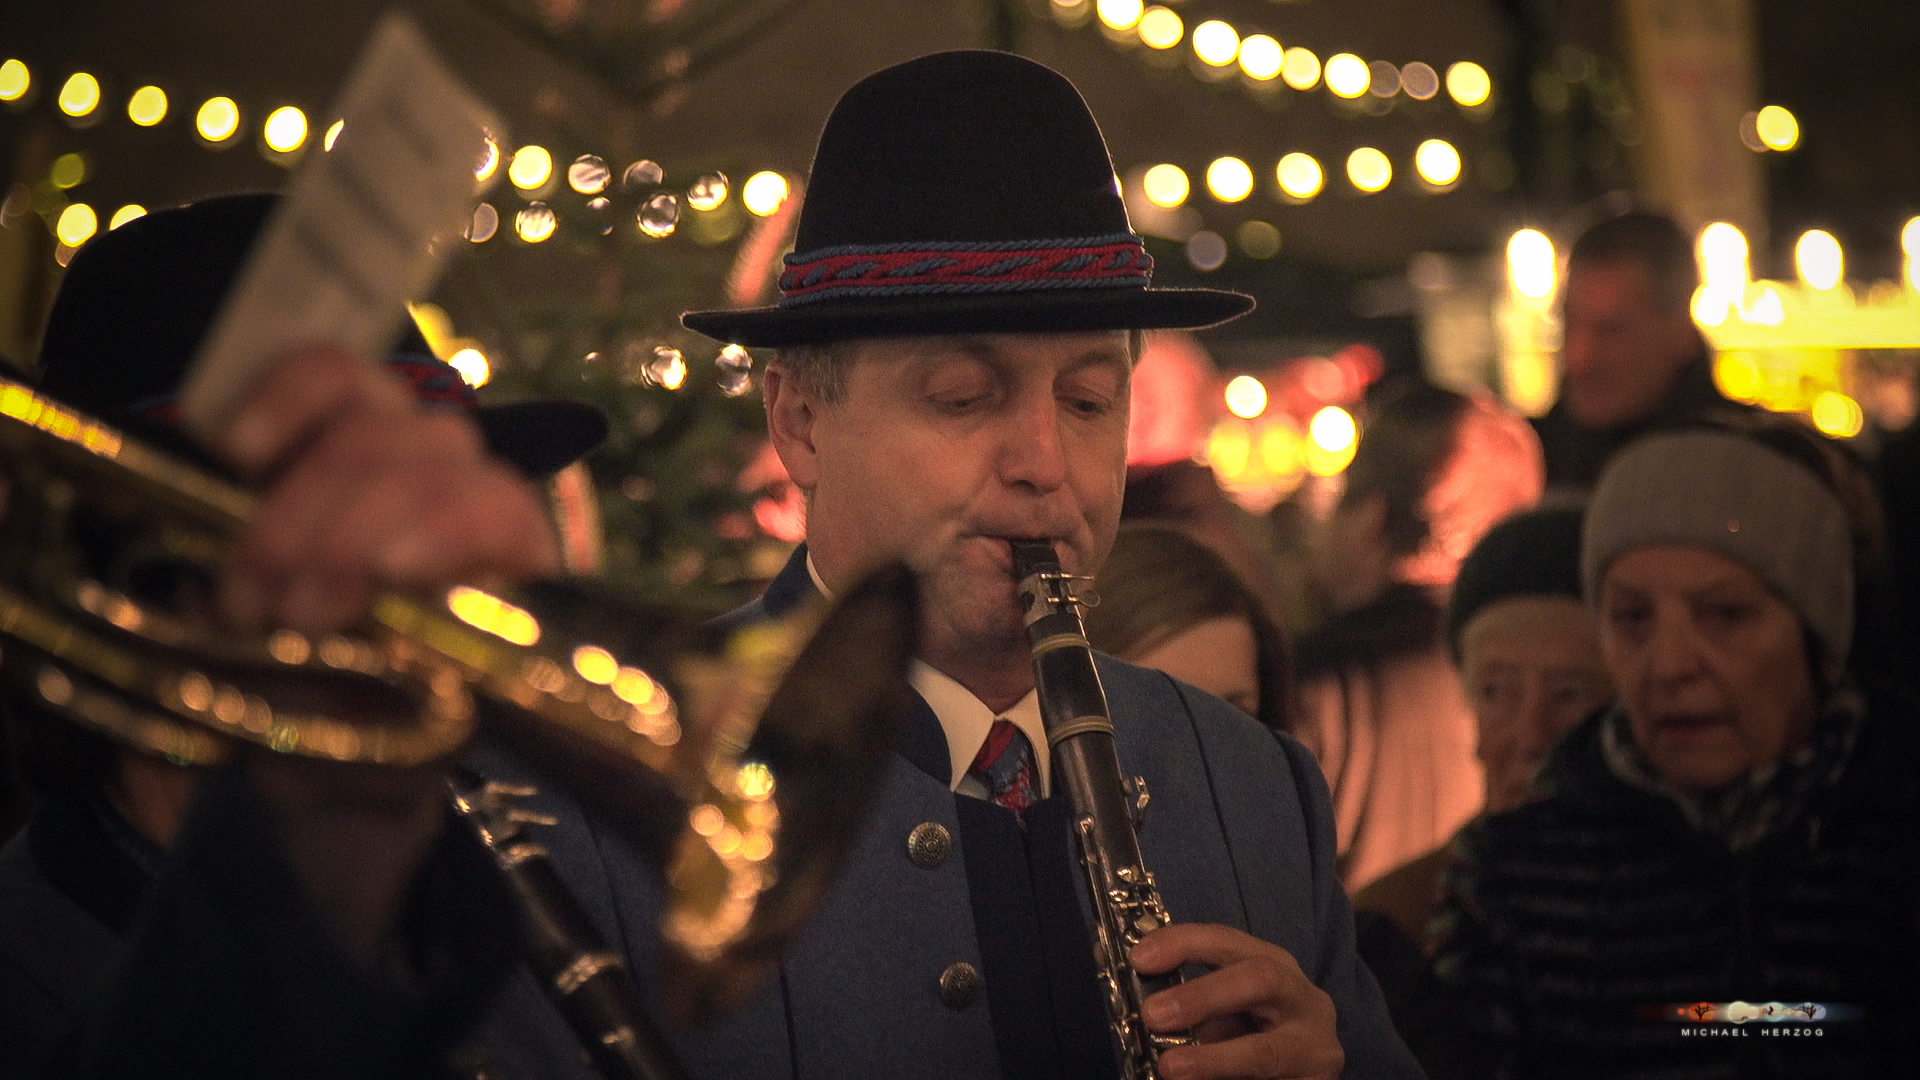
(1126, 903)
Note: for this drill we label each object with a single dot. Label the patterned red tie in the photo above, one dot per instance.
(1004, 766)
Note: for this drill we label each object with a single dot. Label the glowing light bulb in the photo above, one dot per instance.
(217, 119)
(1777, 128)
(1468, 84)
(472, 365)
(1165, 186)
(80, 94)
(147, 106)
(1722, 254)
(76, 225)
(125, 214)
(1332, 429)
(1246, 397)
(1160, 28)
(1300, 176)
(15, 80)
(285, 129)
(1120, 14)
(1261, 57)
(530, 168)
(764, 193)
(1531, 264)
(1369, 170)
(1818, 259)
(1437, 162)
(1229, 179)
(333, 135)
(1837, 415)
(1216, 43)
(1302, 69)
(1347, 75)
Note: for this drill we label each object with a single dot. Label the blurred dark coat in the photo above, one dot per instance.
(1575, 454)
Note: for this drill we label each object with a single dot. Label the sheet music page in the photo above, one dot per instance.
(362, 229)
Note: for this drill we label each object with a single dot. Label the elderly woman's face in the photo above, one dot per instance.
(1712, 666)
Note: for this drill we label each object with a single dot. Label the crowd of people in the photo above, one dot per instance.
(1609, 719)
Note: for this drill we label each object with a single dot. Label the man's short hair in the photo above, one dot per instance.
(1652, 242)
(821, 368)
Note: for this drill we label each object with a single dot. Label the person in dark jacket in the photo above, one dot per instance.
(1632, 359)
(1736, 837)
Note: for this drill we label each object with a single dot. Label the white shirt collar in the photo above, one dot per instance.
(818, 582)
(967, 720)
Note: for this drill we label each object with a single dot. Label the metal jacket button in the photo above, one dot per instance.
(960, 985)
(929, 844)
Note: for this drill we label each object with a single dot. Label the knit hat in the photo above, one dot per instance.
(1534, 553)
(1735, 497)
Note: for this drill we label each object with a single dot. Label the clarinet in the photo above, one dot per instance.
(1106, 806)
(580, 971)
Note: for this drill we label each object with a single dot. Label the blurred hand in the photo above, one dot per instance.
(364, 488)
(1256, 1015)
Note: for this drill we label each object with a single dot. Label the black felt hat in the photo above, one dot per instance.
(1533, 553)
(137, 300)
(964, 192)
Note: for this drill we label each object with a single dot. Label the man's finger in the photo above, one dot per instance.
(1197, 943)
(1290, 1051)
(1272, 987)
(296, 399)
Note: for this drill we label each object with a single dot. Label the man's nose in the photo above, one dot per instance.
(1032, 450)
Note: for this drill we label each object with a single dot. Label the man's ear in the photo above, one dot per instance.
(791, 411)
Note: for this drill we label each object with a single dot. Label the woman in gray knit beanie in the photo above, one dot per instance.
(1738, 829)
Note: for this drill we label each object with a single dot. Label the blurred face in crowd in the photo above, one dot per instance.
(1351, 557)
(1532, 670)
(1218, 656)
(1623, 347)
(1711, 664)
(940, 449)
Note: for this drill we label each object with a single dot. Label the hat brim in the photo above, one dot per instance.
(541, 437)
(1053, 311)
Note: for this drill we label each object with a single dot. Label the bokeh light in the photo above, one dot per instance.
(535, 222)
(1777, 128)
(1261, 57)
(125, 214)
(1160, 28)
(1120, 14)
(1468, 84)
(1383, 79)
(1259, 239)
(1420, 81)
(76, 225)
(1437, 162)
(1837, 415)
(80, 95)
(1347, 75)
(333, 135)
(69, 171)
(1300, 176)
(1216, 43)
(472, 365)
(285, 129)
(1246, 397)
(530, 168)
(1229, 179)
(217, 119)
(1531, 264)
(1332, 438)
(1302, 69)
(1369, 170)
(1722, 255)
(1910, 243)
(764, 193)
(15, 80)
(1166, 186)
(1818, 260)
(147, 106)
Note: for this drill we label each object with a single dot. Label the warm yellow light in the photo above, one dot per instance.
(147, 106)
(1299, 175)
(1165, 185)
(483, 172)
(530, 168)
(487, 612)
(1437, 162)
(1767, 308)
(217, 119)
(1120, 14)
(472, 365)
(596, 665)
(1229, 179)
(1837, 415)
(1332, 429)
(76, 225)
(535, 222)
(1910, 243)
(15, 79)
(1246, 397)
(80, 95)
(285, 129)
(1721, 253)
(1778, 129)
(1737, 376)
(1468, 84)
(764, 193)
(1818, 260)
(1229, 449)
(1709, 306)
(1216, 43)
(125, 214)
(1302, 69)
(333, 135)
(1531, 269)
(69, 171)
(1347, 75)
(1160, 28)
(1261, 57)
(1369, 170)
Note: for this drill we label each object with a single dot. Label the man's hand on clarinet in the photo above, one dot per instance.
(1255, 1015)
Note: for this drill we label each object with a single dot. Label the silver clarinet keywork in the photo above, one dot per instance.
(1106, 805)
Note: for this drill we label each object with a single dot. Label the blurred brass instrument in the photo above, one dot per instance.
(741, 763)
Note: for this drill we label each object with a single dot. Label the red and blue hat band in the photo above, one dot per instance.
(923, 269)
